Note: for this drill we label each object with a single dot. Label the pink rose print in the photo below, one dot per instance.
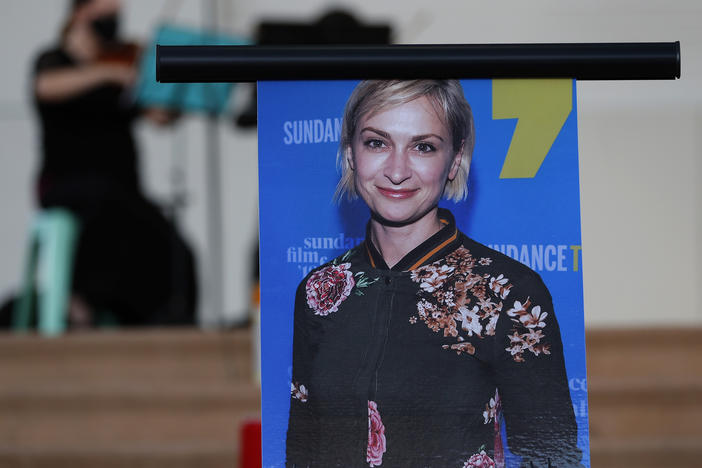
(376, 436)
(479, 460)
(328, 287)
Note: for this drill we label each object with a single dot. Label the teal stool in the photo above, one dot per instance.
(48, 271)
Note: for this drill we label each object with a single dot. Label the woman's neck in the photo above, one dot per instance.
(394, 242)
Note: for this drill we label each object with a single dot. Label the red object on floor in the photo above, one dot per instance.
(250, 447)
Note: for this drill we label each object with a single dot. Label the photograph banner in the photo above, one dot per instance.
(400, 366)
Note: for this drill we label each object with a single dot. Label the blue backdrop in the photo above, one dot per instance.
(535, 220)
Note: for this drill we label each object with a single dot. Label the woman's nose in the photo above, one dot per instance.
(397, 168)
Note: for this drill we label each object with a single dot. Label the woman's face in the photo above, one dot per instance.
(402, 158)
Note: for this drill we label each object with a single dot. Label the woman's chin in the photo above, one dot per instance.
(396, 216)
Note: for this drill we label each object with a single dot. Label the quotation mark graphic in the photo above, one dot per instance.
(541, 107)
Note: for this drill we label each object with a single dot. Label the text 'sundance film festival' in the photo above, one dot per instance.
(470, 350)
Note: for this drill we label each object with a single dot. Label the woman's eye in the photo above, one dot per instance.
(425, 147)
(374, 143)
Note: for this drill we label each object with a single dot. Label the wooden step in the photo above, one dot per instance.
(645, 397)
(176, 398)
(632, 410)
(646, 453)
(175, 355)
(113, 456)
(137, 398)
(104, 427)
(644, 384)
(650, 353)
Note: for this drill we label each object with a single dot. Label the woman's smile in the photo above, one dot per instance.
(397, 194)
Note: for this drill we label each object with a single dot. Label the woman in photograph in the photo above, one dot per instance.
(412, 349)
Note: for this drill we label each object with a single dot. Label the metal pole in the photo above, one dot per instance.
(213, 300)
(599, 61)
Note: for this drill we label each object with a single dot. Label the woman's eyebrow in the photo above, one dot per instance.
(426, 136)
(375, 130)
(414, 138)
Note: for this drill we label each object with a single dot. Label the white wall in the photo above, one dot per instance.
(639, 145)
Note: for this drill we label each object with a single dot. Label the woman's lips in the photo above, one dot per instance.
(397, 194)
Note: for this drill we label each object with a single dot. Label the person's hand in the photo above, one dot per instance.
(160, 116)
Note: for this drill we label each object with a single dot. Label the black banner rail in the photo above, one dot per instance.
(582, 61)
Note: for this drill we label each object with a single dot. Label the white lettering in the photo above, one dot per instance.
(308, 124)
(311, 131)
(549, 263)
(328, 132)
(512, 251)
(561, 258)
(524, 255)
(577, 385)
(309, 254)
(318, 131)
(297, 132)
(337, 129)
(288, 134)
(537, 257)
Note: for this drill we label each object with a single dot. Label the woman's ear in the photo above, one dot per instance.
(456, 162)
(348, 154)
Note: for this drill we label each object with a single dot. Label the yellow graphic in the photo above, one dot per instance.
(576, 256)
(542, 107)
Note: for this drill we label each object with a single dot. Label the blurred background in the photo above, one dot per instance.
(126, 392)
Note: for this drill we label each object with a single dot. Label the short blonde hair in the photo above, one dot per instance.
(373, 96)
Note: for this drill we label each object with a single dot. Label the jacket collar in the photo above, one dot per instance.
(437, 246)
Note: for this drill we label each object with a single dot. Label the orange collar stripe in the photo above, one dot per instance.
(434, 250)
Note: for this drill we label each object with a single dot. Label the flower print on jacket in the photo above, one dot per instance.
(479, 460)
(499, 286)
(462, 303)
(436, 278)
(492, 409)
(464, 347)
(470, 320)
(493, 414)
(298, 392)
(526, 331)
(535, 318)
(455, 299)
(376, 436)
(328, 287)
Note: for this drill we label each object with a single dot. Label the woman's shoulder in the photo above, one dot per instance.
(475, 292)
(496, 263)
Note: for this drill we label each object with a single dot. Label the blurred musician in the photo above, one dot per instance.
(130, 261)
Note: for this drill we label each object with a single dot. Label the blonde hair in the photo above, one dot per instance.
(373, 96)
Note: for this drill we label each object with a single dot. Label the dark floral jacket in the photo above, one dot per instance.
(419, 365)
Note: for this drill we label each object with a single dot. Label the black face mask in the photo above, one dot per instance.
(106, 27)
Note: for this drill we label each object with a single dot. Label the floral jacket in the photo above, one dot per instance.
(419, 365)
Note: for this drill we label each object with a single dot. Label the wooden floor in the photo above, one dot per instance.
(176, 398)
(645, 398)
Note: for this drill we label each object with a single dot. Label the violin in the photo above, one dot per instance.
(120, 53)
